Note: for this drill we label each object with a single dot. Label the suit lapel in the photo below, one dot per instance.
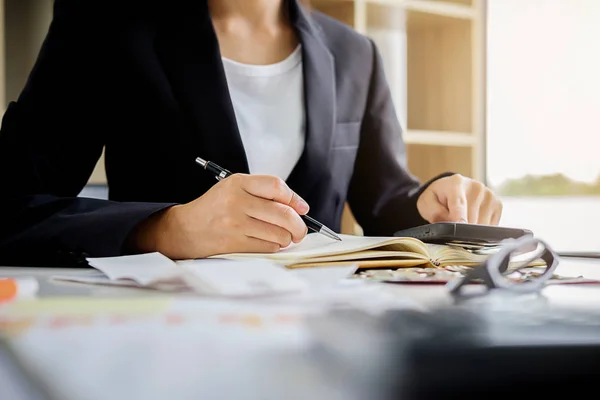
(319, 86)
(188, 50)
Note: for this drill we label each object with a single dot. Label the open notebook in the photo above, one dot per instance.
(366, 252)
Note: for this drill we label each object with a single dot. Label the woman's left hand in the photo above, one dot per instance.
(459, 199)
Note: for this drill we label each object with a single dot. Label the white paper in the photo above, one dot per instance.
(144, 269)
(205, 349)
(324, 277)
(256, 277)
(241, 278)
(192, 349)
(99, 278)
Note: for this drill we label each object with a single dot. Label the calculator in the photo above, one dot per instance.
(464, 234)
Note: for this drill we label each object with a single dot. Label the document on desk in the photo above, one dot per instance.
(365, 252)
(216, 277)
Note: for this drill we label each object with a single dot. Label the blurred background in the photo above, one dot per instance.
(504, 91)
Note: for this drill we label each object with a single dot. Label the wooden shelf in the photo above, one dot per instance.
(434, 58)
(441, 8)
(454, 9)
(342, 10)
(440, 138)
(425, 162)
(98, 176)
(440, 80)
(463, 2)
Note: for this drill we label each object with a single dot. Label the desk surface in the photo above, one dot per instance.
(424, 294)
(189, 348)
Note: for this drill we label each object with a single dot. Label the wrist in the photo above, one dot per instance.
(152, 233)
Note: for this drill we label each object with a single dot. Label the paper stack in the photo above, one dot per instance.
(212, 277)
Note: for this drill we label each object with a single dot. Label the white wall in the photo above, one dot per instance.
(543, 88)
(387, 27)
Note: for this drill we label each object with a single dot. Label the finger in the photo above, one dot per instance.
(276, 214)
(433, 211)
(496, 215)
(299, 204)
(486, 209)
(268, 232)
(474, 201)
(457, 204)
(274, 188)
(495, 220)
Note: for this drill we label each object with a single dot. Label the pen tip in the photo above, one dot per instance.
(330, 234)
(201, 161)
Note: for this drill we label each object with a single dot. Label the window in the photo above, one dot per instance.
(543, 117)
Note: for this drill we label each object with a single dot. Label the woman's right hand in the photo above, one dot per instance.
(241, 213)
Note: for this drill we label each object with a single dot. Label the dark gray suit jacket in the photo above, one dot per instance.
(144, 79)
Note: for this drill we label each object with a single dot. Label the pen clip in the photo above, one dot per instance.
(222, 175)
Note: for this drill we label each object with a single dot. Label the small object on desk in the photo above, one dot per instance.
(421, 275)
(14, 288)
(221, 173)
(580, 254)
(427, 275)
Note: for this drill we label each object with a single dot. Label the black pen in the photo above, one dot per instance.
(311, 223)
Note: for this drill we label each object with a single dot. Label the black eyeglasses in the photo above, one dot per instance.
(515, 255)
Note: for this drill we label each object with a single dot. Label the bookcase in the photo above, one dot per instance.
(434, 59)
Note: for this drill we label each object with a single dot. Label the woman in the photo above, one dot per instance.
(293, 102)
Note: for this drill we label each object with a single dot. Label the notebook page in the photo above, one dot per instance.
(454, 255)
(370, 254)
(316, 245)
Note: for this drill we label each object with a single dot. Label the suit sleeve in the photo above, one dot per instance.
(383, 193)
(50, 140)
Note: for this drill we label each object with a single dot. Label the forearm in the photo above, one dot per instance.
(397, 210)
(45, 230)
(383, 193)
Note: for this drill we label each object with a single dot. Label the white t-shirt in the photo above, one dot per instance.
(268, 101)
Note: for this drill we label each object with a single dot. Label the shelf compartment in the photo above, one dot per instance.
(439, 74)
(427, 161)
(342, 10)
(452, 9)
(437, 138)
(469, 3)
(440, 8)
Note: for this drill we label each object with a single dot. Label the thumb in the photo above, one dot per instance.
(457, 205)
